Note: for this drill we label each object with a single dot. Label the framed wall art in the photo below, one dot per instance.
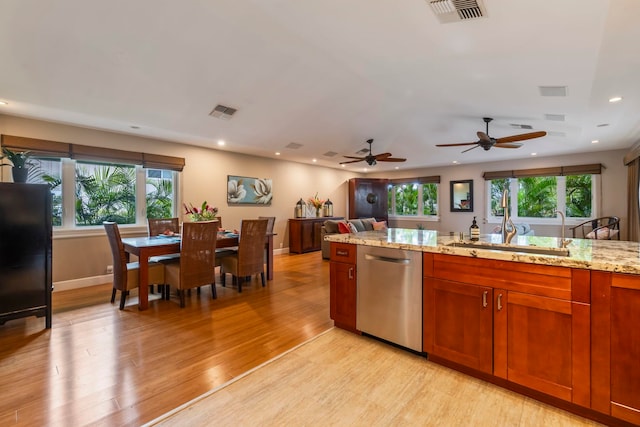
(462, 195)
(243, 190)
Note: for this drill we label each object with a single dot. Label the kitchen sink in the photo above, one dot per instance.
(538, 250)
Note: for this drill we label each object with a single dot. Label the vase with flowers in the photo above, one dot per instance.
(204, 213)
(316, 203)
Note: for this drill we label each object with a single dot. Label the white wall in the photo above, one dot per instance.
(613, 192)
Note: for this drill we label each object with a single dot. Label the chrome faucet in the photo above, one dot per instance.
(506, 219)
(563, 242)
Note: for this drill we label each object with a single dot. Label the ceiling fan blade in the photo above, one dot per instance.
(392, 159)
(483, 136)
(508, 145)
(521, 137)
(469, 149)
(382, 156)
(456, 145)
(352, 161)
(353, 157)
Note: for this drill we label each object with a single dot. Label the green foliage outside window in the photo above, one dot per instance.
(537, 197)
(578, 196)
(430, 199)
(497, 188)
(105, 193)
(159, 196)
(407, 199)
(47, 171)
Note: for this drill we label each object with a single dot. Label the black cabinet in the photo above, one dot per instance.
(368, 198)
(25, 251)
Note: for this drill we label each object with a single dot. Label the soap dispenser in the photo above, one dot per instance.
(474, 230)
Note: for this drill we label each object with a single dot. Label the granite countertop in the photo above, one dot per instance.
(605, 255)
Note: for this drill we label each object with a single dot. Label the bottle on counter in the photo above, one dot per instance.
(474, 231)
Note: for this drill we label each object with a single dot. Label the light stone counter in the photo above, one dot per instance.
(605, 255)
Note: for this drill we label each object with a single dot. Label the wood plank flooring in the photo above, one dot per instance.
(342, 379)
(102, 366)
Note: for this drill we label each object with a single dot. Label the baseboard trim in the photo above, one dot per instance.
(84, 282)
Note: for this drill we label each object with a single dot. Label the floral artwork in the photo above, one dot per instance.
(245, 190)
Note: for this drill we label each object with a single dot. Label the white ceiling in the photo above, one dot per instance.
(328, 74)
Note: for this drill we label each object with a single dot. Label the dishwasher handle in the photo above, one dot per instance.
(370, 257)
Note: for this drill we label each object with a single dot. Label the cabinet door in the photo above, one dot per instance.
(533, 342)
(616, 345)
(317, 234)
(458, 322)
(306, 235)
(343, 294)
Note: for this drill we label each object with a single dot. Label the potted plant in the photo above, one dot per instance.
(20, 162)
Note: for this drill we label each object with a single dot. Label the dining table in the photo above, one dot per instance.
(146, 247)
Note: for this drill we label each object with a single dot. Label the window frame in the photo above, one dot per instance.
(419, 217)
(596, 185)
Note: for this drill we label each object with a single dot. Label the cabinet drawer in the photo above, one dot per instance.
(343, 252)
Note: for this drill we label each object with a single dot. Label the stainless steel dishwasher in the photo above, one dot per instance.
(389, 296)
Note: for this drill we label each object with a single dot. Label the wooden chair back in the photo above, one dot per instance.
(271, 221)
(606, 227)
(158, 226)
(198, 254)
(118, 254)
(251, 246)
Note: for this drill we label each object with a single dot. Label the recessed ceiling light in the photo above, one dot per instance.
(343, 165)
(277, 153)
(455, 162)
(397, 167)
(4, 103)
(314, 160)
(595, 141)
(221, 142)
(534, 154)
(615, 99)
(365, 169)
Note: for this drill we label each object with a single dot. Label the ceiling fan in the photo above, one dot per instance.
(372, 159)
(486, 142)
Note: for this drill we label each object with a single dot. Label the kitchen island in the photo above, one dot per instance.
(529, 317)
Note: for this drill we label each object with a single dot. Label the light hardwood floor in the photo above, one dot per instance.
(342, 379)
(102, 366)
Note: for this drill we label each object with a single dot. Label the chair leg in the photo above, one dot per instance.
(198, 291)
(123, 298)
(223, 277)
(239, 280)
(262, 277)
(181, 293)
(113, 295)
(166, 292)
(152, 290)
(214, 293)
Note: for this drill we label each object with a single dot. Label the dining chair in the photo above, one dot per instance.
(196, 265)
(125, 274)
(249, 259)
(271, 221)
(158, 227)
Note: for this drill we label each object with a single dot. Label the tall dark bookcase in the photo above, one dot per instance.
(25, 251)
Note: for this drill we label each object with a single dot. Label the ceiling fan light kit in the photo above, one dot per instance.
(487, 142)
(373, 159)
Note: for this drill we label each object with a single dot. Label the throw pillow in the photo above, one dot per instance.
(601, 234)
(352, 227)
(381, 225)
(343, 228)
(357, 224)
(368, 223)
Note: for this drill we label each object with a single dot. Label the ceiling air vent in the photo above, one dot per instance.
(553, 90)
(519, 126)
(554, 117)
(457, 10)
(223, 112)
(293, 145)
(330, 154)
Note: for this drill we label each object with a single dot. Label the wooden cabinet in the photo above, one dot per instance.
(533, 319)
(305, 234)
(616, 345)
(342, 282)
(25, 251)
(368, 198)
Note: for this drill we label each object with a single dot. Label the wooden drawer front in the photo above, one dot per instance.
(543, 280)
(343, 252)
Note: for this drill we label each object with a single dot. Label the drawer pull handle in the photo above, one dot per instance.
(484, 298)
(499, 302)
(351, 273)
(342, 252)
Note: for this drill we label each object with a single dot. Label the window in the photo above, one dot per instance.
(413, 199)
(105, 192)
(537, 198)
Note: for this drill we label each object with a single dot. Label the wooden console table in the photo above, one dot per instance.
(304, 234)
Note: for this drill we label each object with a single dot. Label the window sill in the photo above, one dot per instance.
(94, 231)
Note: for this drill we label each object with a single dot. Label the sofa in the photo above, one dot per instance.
(331, 226)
